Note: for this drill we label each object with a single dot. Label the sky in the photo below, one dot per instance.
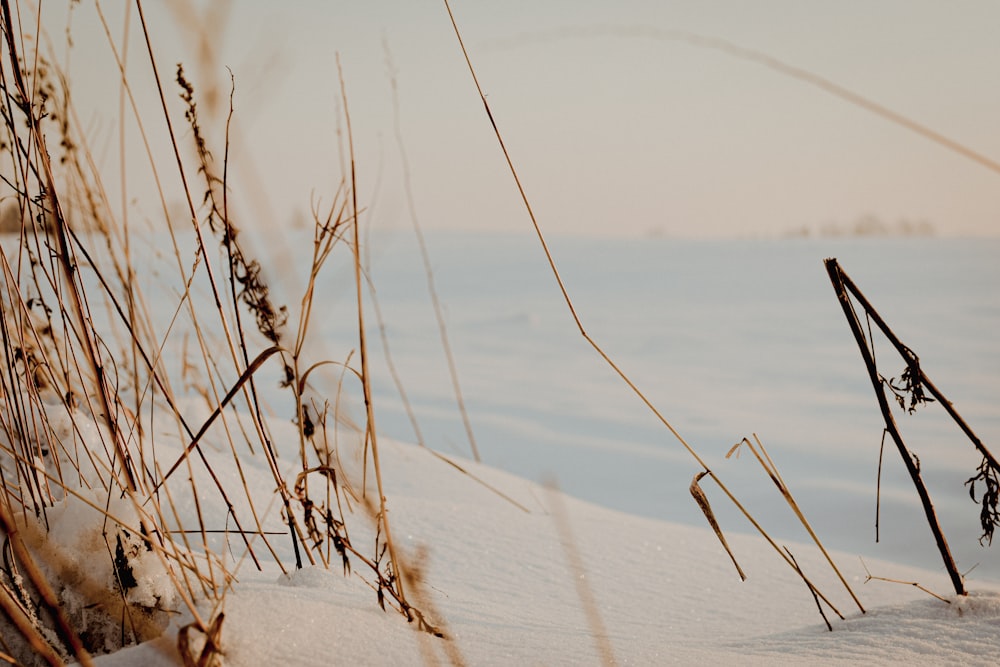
(615, 126)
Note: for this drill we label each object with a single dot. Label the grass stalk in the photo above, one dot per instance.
(428, 268)
(370, 430)
(80, 420)
(576, 318)
(765, 461)
(38, 579)
(785, 69)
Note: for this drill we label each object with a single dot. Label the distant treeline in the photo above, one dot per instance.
(868, 225)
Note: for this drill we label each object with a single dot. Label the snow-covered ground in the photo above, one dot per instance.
(728, 339)
(731, 340)
(503, 583)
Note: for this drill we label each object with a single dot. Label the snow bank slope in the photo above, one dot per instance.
(503, 582)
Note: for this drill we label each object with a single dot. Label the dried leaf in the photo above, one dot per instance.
(699, 497)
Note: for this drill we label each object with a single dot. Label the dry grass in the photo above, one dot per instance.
(96, 422)
(93, 411)
(697, 492)
(914, 381)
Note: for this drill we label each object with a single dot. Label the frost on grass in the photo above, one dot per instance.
(107, 580)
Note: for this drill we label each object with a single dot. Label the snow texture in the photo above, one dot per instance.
(502, 583)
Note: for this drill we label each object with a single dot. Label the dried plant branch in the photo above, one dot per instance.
(62, 353)
(842, 285)
(870, 577)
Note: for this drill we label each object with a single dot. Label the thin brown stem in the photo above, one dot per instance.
(370, 430)
(429, 271)
(572, 310)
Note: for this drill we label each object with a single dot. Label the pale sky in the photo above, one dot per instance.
(614, 127)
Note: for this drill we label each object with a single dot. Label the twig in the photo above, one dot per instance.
(837, 278)
(869, 577)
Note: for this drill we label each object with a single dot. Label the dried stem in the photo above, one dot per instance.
(765, 461)
(370, 431)
(839, 285)
(572, 310)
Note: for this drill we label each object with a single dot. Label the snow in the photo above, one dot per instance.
(76, 548)
(727, 338)
(507, 564)
(501, 580)
(730, 340)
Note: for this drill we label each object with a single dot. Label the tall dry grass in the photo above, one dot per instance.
(101, 428)
(150, 458)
